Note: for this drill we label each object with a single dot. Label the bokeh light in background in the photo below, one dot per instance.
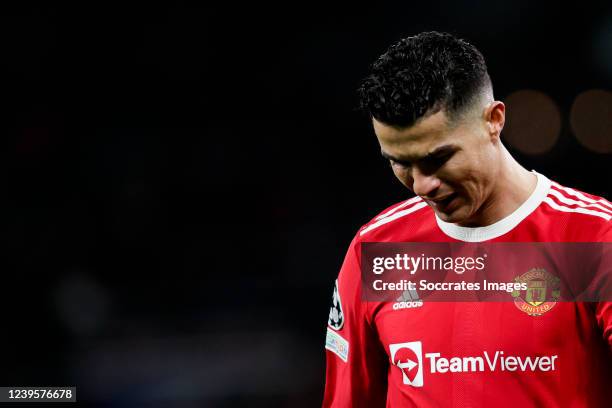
(591, 120)
(533, 122)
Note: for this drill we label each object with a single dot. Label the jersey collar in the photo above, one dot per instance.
(504, 225)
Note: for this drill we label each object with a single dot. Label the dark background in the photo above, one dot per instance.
(183, 181)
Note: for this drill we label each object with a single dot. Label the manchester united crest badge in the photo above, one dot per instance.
(542, 293)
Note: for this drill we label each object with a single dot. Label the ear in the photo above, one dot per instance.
(495, 117)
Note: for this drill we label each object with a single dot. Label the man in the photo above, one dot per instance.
(431, 103)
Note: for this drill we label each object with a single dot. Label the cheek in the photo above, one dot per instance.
(455, 175)
(464, 179)
(475, 185)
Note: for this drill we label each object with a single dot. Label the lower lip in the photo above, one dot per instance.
(447, 204)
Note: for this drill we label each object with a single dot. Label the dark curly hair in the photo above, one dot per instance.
(422, 75)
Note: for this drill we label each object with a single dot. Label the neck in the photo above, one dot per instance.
(512, 186)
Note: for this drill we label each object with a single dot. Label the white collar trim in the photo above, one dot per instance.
(504, 225)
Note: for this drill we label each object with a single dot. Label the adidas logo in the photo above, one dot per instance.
(407, 300)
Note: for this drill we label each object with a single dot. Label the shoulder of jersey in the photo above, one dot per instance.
(396, 215)
(585, 210)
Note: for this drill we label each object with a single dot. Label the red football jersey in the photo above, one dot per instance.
(415, 353)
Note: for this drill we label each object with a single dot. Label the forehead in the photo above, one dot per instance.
(417, 140)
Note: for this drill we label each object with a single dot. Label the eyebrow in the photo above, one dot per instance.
(441, 150)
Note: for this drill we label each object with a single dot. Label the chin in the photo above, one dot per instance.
(458, 216)
(447, 217)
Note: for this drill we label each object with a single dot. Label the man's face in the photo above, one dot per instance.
(452, 166)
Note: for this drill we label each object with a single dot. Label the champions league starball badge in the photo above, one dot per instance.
(542, 293)
(336, 315)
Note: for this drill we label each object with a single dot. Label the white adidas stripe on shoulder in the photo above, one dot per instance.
(399, 207)
(566, 200)
(394, 217)
(581, 196)
(580, 210)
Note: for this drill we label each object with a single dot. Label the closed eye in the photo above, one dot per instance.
(430, 163)
(434, 162)
(438, 160)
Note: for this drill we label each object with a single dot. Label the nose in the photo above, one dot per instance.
(424, 185)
